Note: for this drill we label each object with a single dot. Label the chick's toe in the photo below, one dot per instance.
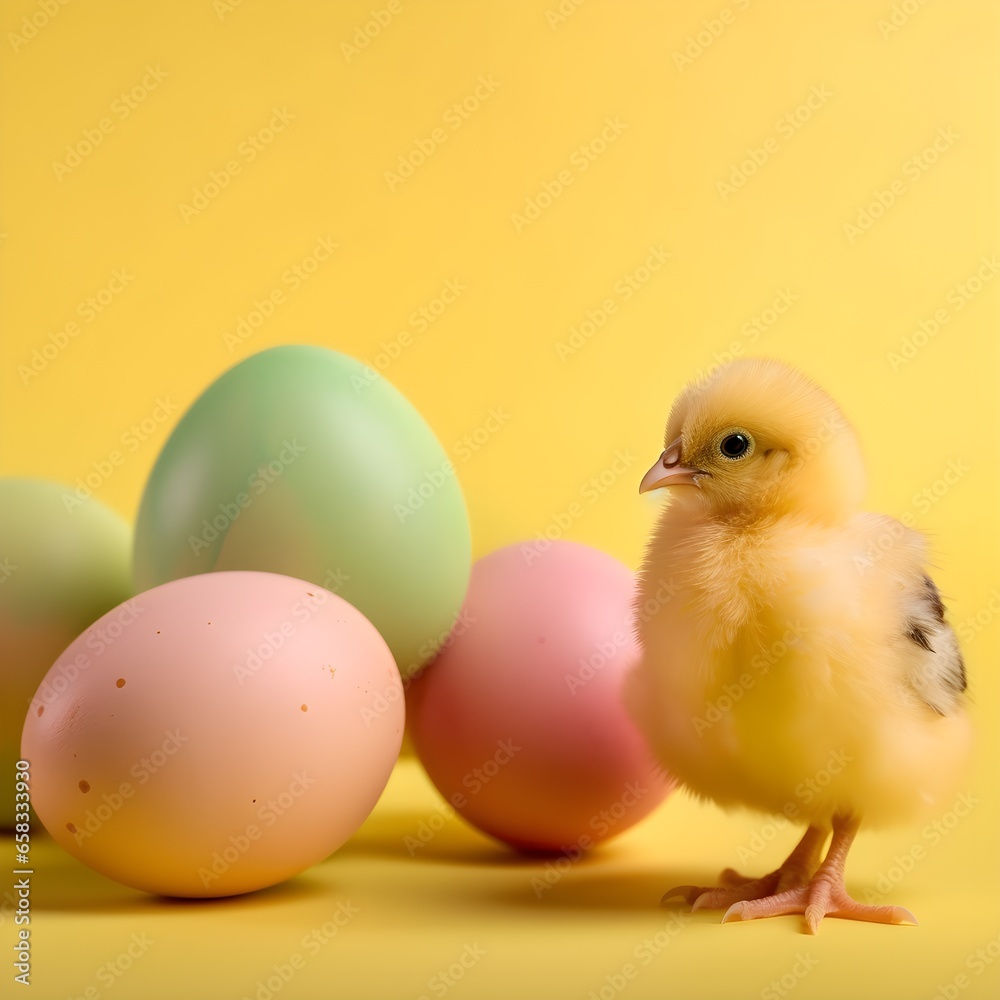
(794, 872)
(824, 895)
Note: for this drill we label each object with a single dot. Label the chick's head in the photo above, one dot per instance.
(755, 439)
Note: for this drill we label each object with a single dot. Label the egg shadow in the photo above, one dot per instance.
(65, 885)
(589, 888)
(294, 890)
(396, 835)
(634, 891)
(595, 881)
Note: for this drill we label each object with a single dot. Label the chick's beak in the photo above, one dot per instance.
(667, 471)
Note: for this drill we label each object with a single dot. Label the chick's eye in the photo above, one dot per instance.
(734, 445)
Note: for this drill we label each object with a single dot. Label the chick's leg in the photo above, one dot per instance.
(825, 894)
(796, 871)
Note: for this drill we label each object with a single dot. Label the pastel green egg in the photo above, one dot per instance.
(303, 461)
(64, 562)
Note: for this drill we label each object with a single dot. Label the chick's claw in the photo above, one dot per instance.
(689, 893)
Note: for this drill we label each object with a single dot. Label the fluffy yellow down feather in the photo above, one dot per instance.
(802, 663)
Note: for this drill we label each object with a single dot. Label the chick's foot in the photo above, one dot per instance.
(820, 898)
(823, 896)
(794, 873)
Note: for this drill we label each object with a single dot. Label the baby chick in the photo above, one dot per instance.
(803, 666)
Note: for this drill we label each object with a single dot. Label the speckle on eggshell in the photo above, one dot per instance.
(71, 827)
(41, 708)
(160, 848)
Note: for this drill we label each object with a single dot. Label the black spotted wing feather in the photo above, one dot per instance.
(935, 671)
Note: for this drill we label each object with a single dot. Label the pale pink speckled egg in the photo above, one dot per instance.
(519, 721)
(215, 735)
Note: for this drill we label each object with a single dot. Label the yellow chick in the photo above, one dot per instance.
(802, 665)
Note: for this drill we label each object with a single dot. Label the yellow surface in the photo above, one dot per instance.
(536, 929)
(594, 142)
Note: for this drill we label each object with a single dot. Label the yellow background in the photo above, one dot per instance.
(683, 125)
